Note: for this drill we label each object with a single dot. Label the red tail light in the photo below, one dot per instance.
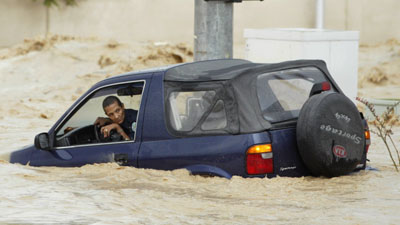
(326, 86)
(259, 159)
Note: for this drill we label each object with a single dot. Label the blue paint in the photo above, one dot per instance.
(156, 148)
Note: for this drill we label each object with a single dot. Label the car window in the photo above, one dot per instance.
(78, 128)
(291, 94)
(217, 118)
(282, 94)
(188, 107)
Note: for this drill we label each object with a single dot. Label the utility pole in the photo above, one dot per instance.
(213, 29)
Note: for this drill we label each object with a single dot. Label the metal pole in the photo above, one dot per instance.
(213, 25)
(319, 14)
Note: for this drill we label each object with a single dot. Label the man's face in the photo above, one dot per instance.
(115, 112)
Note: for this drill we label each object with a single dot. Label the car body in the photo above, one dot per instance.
(218, 117)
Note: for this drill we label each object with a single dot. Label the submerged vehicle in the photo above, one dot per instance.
(219, 118)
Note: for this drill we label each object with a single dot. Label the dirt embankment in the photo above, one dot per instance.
(379, 70)
(42, 76)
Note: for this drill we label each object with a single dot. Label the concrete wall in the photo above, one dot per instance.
(377, 20)
(172, 20)
(140, 20)
(20, 19)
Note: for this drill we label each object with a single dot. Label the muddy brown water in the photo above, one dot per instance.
(37, 88)
(110, 194)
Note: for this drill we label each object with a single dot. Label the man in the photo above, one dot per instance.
(119, 119)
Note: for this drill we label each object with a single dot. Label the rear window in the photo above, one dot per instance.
(282, 94)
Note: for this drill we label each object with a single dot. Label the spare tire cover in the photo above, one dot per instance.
(330, 135)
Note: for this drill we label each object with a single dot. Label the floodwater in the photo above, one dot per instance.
(37, 88)
(110, 194)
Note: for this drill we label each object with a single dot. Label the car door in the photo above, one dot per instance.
(74, 137)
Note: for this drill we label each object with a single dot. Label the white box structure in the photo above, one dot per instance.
(339, 49)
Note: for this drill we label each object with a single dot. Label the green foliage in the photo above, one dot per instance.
(50, 3)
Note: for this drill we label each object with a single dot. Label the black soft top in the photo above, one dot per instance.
(235, 83)
(226, 69)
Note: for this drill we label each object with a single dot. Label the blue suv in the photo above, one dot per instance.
(218, 118)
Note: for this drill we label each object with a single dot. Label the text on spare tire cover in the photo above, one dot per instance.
(339, 132)
(343, 117)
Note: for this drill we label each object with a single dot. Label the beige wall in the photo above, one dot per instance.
(141, 20)
(172, 20)
(272, 14)
(377, 20)
(20, 19)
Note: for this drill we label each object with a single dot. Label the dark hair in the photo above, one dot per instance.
(110, 100)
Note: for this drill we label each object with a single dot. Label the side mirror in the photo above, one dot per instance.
(42, 141)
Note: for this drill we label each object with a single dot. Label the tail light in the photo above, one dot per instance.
(367, 133)
(326, 86)
(320, 87)
(367, 140)
(259, 159)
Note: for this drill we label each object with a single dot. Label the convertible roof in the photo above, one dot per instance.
(226, 69)
(235, 82)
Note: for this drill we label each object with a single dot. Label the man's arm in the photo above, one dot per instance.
(102, 121)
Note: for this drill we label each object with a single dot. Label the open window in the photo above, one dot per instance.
(78, 127)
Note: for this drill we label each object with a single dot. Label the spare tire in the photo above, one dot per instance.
(330, 135)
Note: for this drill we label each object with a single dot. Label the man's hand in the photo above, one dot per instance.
(106, 130)
(102, 121)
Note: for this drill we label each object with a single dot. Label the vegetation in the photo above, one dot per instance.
(50, 3)
(383, 128)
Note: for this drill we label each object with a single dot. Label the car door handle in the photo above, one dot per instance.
(121, 159)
